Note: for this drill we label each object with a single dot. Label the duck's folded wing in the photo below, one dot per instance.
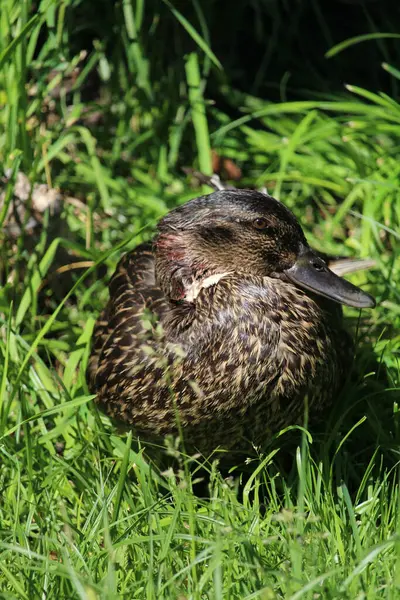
(133, 290)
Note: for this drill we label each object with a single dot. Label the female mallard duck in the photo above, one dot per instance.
(222, 327)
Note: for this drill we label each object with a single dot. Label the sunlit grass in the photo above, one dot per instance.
(82, 513)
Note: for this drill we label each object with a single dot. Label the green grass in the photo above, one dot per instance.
(82, 513)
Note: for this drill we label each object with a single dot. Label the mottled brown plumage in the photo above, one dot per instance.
(213, 327)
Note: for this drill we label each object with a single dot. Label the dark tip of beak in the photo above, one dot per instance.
(311, 272)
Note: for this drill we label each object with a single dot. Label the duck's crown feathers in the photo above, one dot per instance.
(230, 205)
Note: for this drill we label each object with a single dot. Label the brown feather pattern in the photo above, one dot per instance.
(235, 364)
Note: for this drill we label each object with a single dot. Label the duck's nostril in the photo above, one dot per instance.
(318, 266)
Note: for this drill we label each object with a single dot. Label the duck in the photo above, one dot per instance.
(223, 329)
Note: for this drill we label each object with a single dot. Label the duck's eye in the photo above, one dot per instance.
(260, 223)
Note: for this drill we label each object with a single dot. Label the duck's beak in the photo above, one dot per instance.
(311, 272)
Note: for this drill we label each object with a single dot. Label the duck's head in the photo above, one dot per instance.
(246, 232)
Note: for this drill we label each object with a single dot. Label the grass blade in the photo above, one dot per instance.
(357, 40)
(194, 35)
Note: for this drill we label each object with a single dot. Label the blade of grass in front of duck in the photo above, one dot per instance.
(122, 478)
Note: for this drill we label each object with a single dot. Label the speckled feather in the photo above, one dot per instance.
(234, 365)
